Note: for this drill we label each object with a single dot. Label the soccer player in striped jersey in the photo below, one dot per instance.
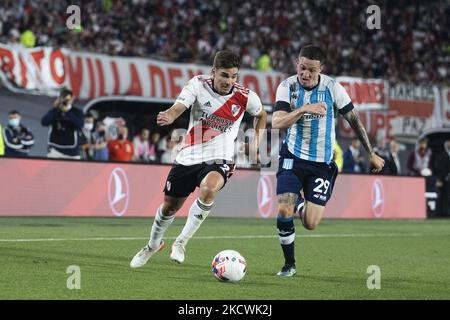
(305, 105)
(217, 105)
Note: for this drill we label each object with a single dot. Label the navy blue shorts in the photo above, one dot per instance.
(315, 178)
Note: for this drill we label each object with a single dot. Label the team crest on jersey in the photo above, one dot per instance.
(320, 96)
(235, 109)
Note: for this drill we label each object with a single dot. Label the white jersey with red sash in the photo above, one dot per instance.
(214, 120)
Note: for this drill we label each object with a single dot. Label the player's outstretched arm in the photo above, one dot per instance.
(283, 120)
(259, 124)
(357, 126)
(167, 117)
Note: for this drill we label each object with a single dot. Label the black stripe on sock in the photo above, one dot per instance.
(203, 206)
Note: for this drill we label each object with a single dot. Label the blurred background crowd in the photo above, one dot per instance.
(414, 48)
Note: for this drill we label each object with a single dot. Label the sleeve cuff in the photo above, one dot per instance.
(183, 103)
(282, 106)
(347, 108)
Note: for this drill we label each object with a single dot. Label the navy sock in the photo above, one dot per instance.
(286, 234)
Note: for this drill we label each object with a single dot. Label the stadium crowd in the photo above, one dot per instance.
(412, 44)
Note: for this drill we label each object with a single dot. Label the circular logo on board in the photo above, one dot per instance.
(118, 191)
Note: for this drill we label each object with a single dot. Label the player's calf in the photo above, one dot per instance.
(311, 215)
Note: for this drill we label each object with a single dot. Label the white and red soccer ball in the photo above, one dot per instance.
(229, 265)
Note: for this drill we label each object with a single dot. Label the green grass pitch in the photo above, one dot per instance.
(332, 261)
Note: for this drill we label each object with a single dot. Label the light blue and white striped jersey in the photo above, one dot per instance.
(312, 136)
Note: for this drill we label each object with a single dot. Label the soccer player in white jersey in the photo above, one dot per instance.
(305, 105)
(205, 160)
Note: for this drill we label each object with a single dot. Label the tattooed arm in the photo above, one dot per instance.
(353, 119)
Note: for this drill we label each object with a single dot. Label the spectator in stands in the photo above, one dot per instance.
(66, 122)
(167, 155)
(121, 149)
(418, 162)
(392, 160)
(442, 170)
(100, 143)
(27, 39)
(157, 28)
(178, 137)
(338, 156)
(381, 148)
(162, 144)
(2, 145)
(263, 62)
(353, 160)
(18, 139)
(88, 144)
(153, 147)
(141, 146)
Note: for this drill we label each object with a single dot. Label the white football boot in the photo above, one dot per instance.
(177, 252)
(144, 254)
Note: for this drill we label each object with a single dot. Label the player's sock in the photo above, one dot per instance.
(286, 233)
(160, 225)
(299, 205)
(197, 214)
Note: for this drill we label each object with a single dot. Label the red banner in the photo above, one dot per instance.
(366, 94)
(94, 75)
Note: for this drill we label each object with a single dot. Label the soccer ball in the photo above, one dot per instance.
(229, 265)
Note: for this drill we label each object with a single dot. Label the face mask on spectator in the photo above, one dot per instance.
(14, 122)
(89, 126)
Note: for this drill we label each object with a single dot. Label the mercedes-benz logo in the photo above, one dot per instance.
(378, 198)
(118, 191)
(265, 196)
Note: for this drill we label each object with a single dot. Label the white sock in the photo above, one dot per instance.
(160, 225)
(197, 214)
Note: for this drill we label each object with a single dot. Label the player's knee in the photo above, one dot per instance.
(285, 211)
(311, 222)
(169, 209)
(311, 225)
(207, 194)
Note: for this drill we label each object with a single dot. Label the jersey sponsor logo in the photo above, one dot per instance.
(118, 191)
(266, 196)
(378, 198)
(309, 116)
(217, 123)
